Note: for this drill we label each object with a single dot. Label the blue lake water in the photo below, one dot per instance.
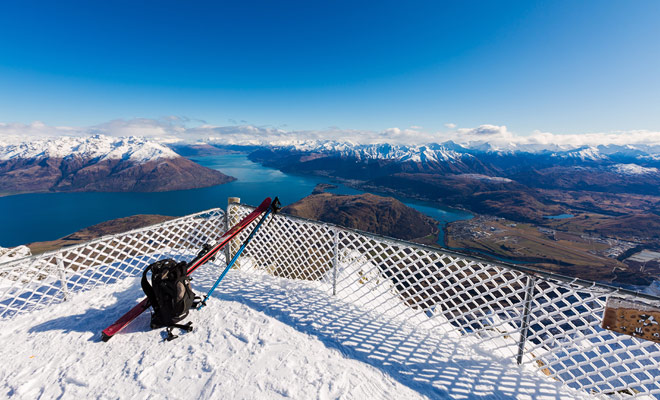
(35, 217)
(560, 216)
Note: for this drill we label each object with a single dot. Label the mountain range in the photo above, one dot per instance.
(613, 192)
(98, 163)
(578, 211)
(634, 169)
(520, 184)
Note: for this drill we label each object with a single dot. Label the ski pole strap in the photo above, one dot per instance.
(276, 206)
(148, 290)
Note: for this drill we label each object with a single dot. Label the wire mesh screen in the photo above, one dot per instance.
(548, 324)
(35, 282)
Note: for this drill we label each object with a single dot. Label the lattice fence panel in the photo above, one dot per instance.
(286, 247)
(548, 324)
(566, 340)
(38, 281)
(450, 292)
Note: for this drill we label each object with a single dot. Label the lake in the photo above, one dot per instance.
(560, 216)
(47, 216)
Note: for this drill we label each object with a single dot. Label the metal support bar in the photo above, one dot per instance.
(227, 251)
(230, 202)
(335, 259)
(529, 295)
(61, 270)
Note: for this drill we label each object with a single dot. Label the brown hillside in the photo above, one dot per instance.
(77, 175)
(95, 231)
(382, 215)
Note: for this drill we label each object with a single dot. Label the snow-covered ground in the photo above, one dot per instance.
(259, 337)
(14, 253)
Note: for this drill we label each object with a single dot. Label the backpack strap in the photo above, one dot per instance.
(186, 327)
(148, 290)
(196, 302)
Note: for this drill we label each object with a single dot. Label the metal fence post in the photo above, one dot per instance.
(529, 295)
(230, 201)
(61, 270)
(335, 259)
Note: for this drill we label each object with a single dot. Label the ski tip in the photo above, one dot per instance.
(265, 203)
(105, 337)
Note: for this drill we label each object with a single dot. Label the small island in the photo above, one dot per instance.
(323, 187)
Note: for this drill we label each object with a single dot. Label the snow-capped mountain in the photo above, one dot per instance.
(98, 163)
(451, 152)
(633, 169)
(447, 150)
(402, 153)
(97, 147)
(586, 153)
(612, 168)
(363, 161)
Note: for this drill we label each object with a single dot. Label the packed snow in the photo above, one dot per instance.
(633, 169)
(14, 253)
(98, 147)
(586, 153)
(653, 289)
(480, 177)
(259, 337)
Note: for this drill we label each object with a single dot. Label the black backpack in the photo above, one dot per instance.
(170, 295)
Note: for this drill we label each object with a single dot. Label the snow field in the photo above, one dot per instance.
(259, 337)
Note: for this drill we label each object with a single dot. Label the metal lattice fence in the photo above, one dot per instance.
(543, 321)
(38, 281)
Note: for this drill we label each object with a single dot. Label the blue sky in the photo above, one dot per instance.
(560, 66)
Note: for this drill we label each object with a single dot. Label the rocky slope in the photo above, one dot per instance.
(382, 215)
(99, 163)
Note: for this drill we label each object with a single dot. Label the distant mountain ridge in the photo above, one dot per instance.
(450, 151)
(442, 150)
(98, 163)
(628, 169)
(97, 147)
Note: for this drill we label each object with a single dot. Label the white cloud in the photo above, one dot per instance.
(484, 130)
(160, 128)
(36, 128)
(450, 125)
(172, 129)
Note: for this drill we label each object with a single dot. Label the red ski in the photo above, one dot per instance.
(134, 312)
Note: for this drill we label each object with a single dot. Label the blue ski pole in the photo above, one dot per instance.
(274, 207)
